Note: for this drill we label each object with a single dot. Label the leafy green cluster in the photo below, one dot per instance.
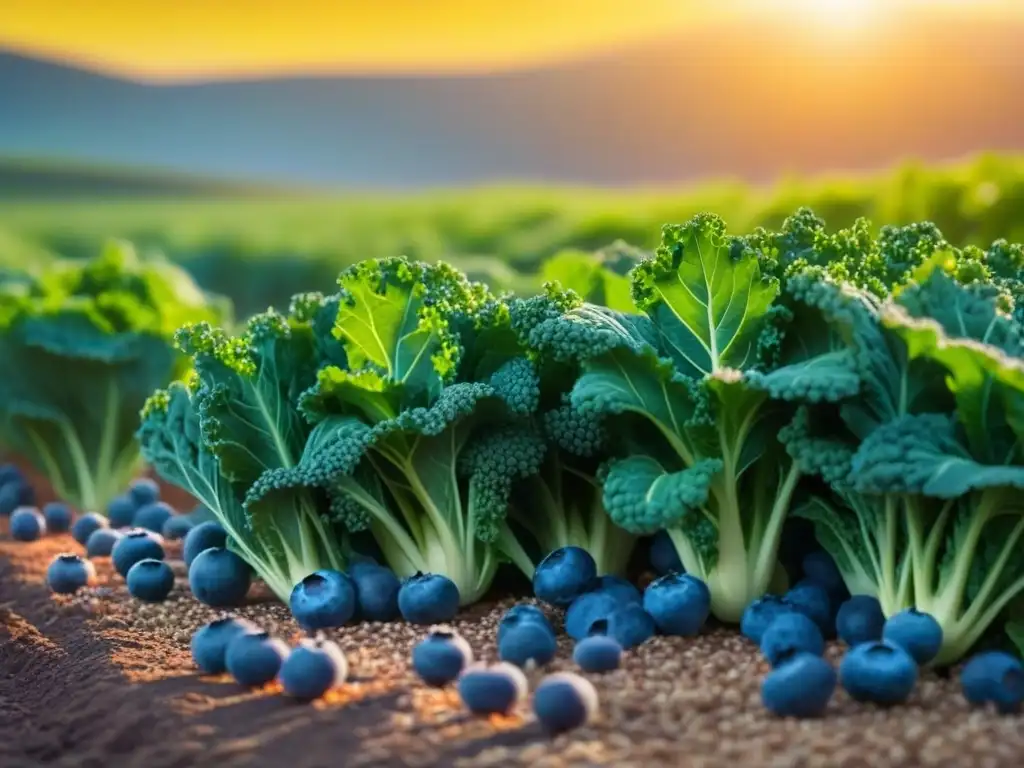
(84, 344)
(925, 466)
(238, 421)
(697, 383)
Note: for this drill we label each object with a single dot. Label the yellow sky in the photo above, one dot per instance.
(172, 39)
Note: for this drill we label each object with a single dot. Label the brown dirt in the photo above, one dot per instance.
(101, 680)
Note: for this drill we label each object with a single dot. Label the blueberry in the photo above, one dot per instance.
(622, 590)
(564, 701)
(10, 473)
(210, 642)
(121, 511)
(820, 568)
(493, 690)
(528, 642)
(86, 525)
(136, 544)
(153, 516)
(760, 614)
(564, 575)
(68, 573)
(208, 535)
(376, 592)
(813, 601)
(629, 625)
(14, 494)
(919, 634)
(323, 600)
(176, 527)
(150, 580)
(440, 657)
(57, 516)
(860, 620)
(878, 672)
(994, 676)
(678, 603)
(27, 524)
(597, 654)
(144, 491)
(312, 669)
(799, 687)
(101, 542)
(218, 578)
(664, 556)
(587, 610)
(518, 615)
(428, 598)
(254, 658)
(791, 634)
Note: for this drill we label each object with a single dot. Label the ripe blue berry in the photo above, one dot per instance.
(57, 516)
(678, 603)
(878, 672)
(121, 511)
(523, 613)
(255, 658)
(760, 614)
(86, 525)
(176, 527)
(68, 573)
(801, 686)
(492, 690)
(994, 677)
(376, 592)
(218, 578)
(150, 580)
(917, 633)
(323, 600)
(27, 524)
(101, 542)
(208, 535)
(564, 701)
(144, 491)
(210, 642)
(564, 575)
(312, 669)
(441, 657)
(135, 545)
(153, 516)
(790, 634)
(860, 620)
(428, 598)
(597, 654)
(526, 643)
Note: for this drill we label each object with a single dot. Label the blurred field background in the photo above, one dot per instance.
(264, 157)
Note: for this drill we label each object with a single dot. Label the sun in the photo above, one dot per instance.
(838, 15)
(843, 13)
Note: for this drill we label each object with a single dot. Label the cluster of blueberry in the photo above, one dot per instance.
(881, 665)
(254, 658)
(562, 701)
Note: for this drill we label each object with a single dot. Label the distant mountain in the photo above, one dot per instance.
(732, 100)
(52, 179)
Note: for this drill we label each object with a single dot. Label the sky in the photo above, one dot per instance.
(203, 39)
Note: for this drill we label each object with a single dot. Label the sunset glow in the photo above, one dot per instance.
(196, 39)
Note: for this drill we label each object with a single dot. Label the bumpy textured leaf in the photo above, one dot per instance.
(709, 307)
(107, 322)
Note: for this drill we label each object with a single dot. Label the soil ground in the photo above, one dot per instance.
(99, 679)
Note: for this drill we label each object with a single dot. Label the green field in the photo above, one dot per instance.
(260, 249)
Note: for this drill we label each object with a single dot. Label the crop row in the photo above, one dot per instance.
(872, 385)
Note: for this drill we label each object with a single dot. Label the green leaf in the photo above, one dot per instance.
(709, 307)
(922, 455)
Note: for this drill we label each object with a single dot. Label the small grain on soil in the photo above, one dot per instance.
(676, 701)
